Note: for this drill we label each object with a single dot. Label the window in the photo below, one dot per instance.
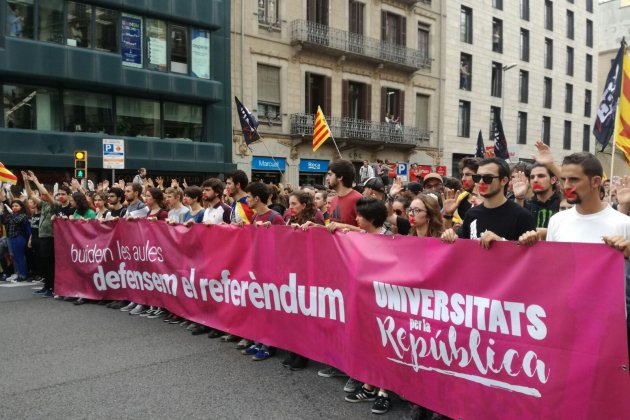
(393, 29)
(106, 29)
(589, 6)
(586, 138)
(269, 93)
(570, 25)
(179, 49)
(466, 25)
(524, 9)
(497, 83)
(589, 68)
(423, 40)
(79, 25)
(463, 122)
(524, 44)
(523, 86)
(200, 53)
(548, 53)
(546, 130)
(589, 33)
(317, 11)
(87, 112)
(549, 15)
(356, 100)
(566, 138)
(497, 4)
(465, 72)
(587, 103)
(137, 117)
(568, 98)
(422, 111)
(394, 103)
(268, 12)
(318, 93)
(50, 22)
(570, 61)
(183, 121)
(357, 11)
(521, 128)
(20, 18)
(497, 35)
(547, 92)
(494, 111)
(31, 108)
(156, 44)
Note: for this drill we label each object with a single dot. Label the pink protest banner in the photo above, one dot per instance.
(510, 332)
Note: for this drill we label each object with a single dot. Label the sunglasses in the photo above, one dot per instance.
(487, 179)
(398, 212)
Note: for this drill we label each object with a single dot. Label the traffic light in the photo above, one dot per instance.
(80, 164)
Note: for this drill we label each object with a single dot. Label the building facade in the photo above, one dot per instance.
(613, 25)
(372, 66)
(534, 61)
(154, 73)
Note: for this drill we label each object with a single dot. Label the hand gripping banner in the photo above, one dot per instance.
(511, 332)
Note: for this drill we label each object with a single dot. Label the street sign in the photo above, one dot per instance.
(402, 169)
(113, 154)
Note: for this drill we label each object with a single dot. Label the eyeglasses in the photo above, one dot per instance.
(487, 179)
(416, 211)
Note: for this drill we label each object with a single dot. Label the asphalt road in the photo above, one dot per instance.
(61, 361)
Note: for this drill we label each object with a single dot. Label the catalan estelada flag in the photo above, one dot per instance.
(321, 131)
(622, 136)
(7, 176)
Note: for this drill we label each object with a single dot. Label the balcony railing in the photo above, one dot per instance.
(370, 131)
(303, 31)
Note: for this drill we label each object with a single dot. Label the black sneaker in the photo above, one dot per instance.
(381, 405)
(360, 395)
(289, 360)
(299, 363)
(199, 329)
(215, 333)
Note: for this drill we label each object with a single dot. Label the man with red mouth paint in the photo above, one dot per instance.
(546, 200)
(497, 219)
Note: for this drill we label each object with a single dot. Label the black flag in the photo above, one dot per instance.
(605, 118)
(500, 143)
(481, 149)
(249, 123)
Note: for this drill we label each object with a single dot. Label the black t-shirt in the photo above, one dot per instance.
(114, 212)
(403, 225)
(509, 221)
(463, 207)
(542, 211)
(63, 211)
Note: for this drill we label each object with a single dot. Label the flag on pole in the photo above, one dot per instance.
(622, 137)
(7, 176)
(249, 123)
(321, 131)
(605, 119)
(481, 149)
(500, 143)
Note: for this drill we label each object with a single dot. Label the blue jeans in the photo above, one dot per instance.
(17, 247)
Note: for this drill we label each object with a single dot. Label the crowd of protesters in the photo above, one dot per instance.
(491, 201)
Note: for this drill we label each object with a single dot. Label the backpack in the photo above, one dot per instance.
(272, 215)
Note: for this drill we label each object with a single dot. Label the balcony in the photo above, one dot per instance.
(354, 132)
(342, 43)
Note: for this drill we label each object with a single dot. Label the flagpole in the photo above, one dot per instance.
(271, 155)
(335, 143)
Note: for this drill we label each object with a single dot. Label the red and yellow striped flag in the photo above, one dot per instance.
(622, 136)
(321, 131)
(7, 176)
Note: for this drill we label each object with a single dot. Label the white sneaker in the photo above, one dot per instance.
(128, 307)
(12, 278)
(137, 310)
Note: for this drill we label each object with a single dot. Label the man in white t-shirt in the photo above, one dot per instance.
(591, 220)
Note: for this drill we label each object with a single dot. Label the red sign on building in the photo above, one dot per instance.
(441, 170)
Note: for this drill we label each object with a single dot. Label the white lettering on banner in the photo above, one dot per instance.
(492, 315)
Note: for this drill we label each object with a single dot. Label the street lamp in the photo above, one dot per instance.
(505, 68)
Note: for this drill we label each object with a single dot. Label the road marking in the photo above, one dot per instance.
(16, 284)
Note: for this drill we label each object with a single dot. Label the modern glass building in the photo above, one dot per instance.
(155, 73)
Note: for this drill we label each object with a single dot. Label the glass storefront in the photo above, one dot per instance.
(30, 107)
(87, 112)
(313, 171)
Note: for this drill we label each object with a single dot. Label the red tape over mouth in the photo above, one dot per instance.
(537, 187)
(569, 193)
(483, 188)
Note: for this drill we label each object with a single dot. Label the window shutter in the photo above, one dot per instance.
(383, 26)
(344, 99)
(403, 31)
(383, 103)
(368, 102)
(401, 105)
(328, 96)
(307, 93)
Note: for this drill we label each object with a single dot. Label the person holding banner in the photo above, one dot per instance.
(216, 211)
(425, 217)
(302, 210)
(16, 221)
(497, 219)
